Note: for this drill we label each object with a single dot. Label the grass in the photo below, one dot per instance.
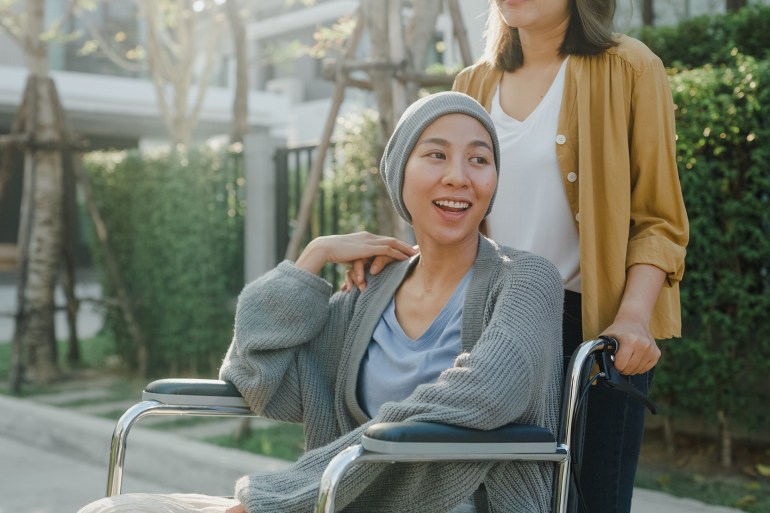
(94, 353)
(745, 494)
(285, 441)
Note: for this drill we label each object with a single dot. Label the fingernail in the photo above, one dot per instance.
(374, 269)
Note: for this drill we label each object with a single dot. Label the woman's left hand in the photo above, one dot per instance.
(238, 508)
(637, 350)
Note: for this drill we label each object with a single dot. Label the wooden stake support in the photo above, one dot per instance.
(340, 70)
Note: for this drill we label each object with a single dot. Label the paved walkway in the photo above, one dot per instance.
(53, 460)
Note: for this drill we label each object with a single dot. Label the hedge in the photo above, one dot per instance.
(719, 368)
(175, 222)
(710, 39)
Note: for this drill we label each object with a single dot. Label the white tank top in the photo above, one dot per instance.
(531, 210)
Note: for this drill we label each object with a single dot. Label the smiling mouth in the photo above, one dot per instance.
(452, 206)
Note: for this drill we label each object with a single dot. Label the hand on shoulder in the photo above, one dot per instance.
(351, 248)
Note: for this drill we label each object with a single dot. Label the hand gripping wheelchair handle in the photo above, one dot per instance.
(612, 378)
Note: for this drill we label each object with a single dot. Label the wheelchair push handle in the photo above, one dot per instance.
(612, 378)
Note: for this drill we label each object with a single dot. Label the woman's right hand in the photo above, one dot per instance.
(355, 249)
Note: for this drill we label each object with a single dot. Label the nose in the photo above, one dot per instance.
(456, 174)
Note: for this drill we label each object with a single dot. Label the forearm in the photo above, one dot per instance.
(314, 257)
(643, 285)
(638, 352)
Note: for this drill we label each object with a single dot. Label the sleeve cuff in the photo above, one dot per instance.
(660, 252)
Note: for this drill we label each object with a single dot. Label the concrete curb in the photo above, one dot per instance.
(38, 439)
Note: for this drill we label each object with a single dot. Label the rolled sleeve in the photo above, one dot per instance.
(659, 228)
(660, 252)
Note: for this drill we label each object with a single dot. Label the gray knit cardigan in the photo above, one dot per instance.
(296, 355)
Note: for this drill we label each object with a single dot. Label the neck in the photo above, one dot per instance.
(442, 266)
(541, 47)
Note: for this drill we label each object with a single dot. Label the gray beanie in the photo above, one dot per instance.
(410, 127)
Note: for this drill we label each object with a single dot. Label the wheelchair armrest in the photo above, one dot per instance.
(194, 392)
(431, 438)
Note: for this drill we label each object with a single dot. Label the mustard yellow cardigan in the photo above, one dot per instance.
(616, 146)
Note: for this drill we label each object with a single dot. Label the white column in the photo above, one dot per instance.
(260, 222)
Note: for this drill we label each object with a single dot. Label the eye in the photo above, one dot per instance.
(436, 155)
(479, 160)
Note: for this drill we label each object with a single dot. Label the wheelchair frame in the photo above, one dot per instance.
(392, 443)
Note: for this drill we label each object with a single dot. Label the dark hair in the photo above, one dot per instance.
(590, 32)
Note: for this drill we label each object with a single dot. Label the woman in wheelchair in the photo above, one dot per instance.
(466, 332)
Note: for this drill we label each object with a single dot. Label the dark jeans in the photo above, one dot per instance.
(613, 430)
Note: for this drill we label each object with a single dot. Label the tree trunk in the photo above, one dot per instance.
(669, 435)
(726, 439)
(648, 13)
(375, 16)
(40, 233)
(40, 227)
(419, 38)
(173, 63)
(461, 35)
(389, 43)
(241, 96)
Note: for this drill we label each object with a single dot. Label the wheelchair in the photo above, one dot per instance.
(591, 363)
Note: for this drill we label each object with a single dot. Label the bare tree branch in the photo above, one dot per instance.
(240, 124)
(14, 31)
(106, 49)
(208, 69)
(314, 177)
(461, 35)
(158, 47)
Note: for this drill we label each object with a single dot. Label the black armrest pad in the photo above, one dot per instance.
(200, 387)
(429, 432)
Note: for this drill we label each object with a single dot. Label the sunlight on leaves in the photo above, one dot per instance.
(763, 470)
(745, 501)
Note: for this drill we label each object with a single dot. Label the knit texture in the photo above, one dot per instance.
(296, 354)
(415, 119)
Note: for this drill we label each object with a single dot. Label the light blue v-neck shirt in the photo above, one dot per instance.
(394, 364)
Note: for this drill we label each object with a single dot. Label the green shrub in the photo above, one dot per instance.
(352, 188)
(720, 367)
(351, 196)
(175, 223)
(710, 39)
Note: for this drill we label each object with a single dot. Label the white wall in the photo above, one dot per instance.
(117, 106)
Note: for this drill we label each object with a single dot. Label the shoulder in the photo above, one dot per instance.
(474, 78)
(634, 52)
(629, 53)
(478, 69)
(521, 268)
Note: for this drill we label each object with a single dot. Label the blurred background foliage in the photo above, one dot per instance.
(175, 221)
(710, 39)
(720, 79)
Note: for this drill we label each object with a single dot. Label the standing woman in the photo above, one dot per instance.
(588, 179)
